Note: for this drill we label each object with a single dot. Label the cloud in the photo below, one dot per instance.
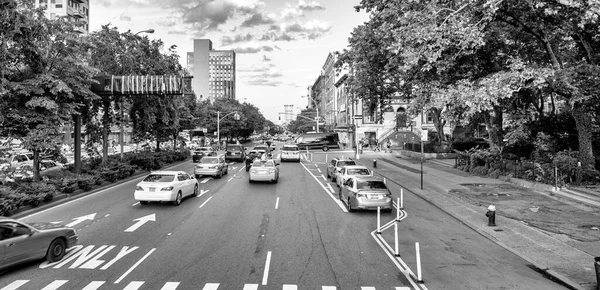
(272, 36)
(257, 19)
(266, 58)
(251, 49)
(211, 14)
(166, 22)
(310, 30)
(263, 82)
(125, 17)
(226, 40)
(312, 6)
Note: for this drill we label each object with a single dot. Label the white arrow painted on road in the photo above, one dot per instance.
(205, 180)
(81, 219)
(202, 192)
(141, 221)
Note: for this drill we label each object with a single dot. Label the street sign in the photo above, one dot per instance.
(424, 134)
(358, 116)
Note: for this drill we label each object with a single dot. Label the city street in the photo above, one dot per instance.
(290, 235)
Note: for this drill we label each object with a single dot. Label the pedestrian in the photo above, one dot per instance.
(345, 142)
(377, 146)
(389, 146)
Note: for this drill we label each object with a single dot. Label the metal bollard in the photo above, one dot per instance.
(374, 163)
(491, 214)
(378, 220)
(597, 266)
(396, 248)
(419, 275)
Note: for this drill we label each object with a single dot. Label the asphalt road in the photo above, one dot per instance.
(290, 235)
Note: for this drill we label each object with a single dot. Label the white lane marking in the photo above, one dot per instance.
(330, 188)
(289, 287)
(323, 176)
(267, 265)
(337, 201)
(250, 286)
(316, 166)
(210, 286)
(94, 285)
(134, 266)
(279, 156)
(205, 180)
(55, 284)
(402, 288)
(202, 192)
(80, 219)
(204, 202)
(241, 169)
(15, 285)
(55, 223)
(329, 288)
(367, 288)
(230, 179)
(137, 203)
(140, 222)
(319, 169)
(233, 167)
(134, 285)
(277, 203)
(170, 286)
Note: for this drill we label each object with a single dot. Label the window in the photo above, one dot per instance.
(159, 178)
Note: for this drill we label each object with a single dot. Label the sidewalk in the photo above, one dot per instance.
(561, 257)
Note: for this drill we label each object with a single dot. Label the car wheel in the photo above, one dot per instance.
(197, 176)
(143, 202)
(250, 180)
(56, 250)
(276, 180)
(389, 210)
(333, 179)
(350, 209)
(226, 171)
(177, 200)
(196, 190)
(325, 148)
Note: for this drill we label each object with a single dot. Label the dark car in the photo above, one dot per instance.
(235, 152)
(201, 152)
(324, 141)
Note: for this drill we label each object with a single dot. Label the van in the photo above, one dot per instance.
(235, 152)
(324, 141)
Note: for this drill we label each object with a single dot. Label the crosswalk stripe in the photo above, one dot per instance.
(289, 287)
(55, 284)
(15, 285)
(402, 288)
(368, 288)
(210, 286)
(250, 287)
(328, 288)
(93, 285)
(134, 285)
(170, 286)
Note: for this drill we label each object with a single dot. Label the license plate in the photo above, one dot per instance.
(152, 189)
(376, 197)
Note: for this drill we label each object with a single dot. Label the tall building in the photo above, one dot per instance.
(76, 11)
(289, 113)
(213, 71)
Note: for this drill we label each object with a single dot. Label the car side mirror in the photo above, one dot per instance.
(277, 163)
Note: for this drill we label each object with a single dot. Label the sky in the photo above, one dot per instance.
(281, 45)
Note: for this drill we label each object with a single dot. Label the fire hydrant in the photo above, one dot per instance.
(491, 214)
(374, 163)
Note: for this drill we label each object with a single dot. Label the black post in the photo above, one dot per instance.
(597, 267)
(422, 155)
(77, 152)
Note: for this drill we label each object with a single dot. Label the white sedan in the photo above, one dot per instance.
(170, 186)
(349, 171)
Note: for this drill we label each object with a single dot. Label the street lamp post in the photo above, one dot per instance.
(236, 117)
(145, 31)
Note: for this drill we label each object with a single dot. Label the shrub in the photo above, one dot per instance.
(495, 174)
(479, 170)
(86, 181)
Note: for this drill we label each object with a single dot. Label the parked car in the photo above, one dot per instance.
(365, 192)
(264, 170)
(352, 170)
(23, 158)
(324, 141)
(162, 186)
(211, 165)
(290, 152)
(235, 152)
(23, 242)
(335, 165)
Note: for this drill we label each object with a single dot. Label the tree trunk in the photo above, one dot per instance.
(439, 123)
(105, 128)
(495, 127)
(157, 145)
(584, 131)
(36, 165)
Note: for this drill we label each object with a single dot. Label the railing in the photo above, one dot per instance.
(386, 134)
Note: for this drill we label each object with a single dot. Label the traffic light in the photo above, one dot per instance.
(279, 117)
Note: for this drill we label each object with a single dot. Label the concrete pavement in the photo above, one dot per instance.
(555, 257)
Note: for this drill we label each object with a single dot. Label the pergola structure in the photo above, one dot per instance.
(132, 85)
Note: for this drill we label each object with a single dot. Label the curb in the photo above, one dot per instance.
(542, 268)
(64, 198)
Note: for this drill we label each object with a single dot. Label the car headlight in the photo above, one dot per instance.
(252, 171)
(358, 195)
(214, 167)
(271, 170)
(169, 188)
(139, 188)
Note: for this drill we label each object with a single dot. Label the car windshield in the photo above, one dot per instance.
(209, 160)
(234, 148)
(268, 163)
(286, 148)
(204, 149)
(346, 163)
(159, 178)
(371, 185)
(359, 171)
(260, 148)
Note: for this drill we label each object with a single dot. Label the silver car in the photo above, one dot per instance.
(352, 170)
(21, 242)
(365, 192)
(264, 170)
(213, 166)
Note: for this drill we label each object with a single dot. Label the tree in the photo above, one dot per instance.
(303, 122)
(44, 79)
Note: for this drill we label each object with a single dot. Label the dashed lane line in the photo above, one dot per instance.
(205, 202)
(277, 203)
(134, 266)
(338, 202)
(330, 188)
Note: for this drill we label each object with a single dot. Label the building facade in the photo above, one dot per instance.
(330, 106)
(289, 114)
(75, 11)
(214, 71)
